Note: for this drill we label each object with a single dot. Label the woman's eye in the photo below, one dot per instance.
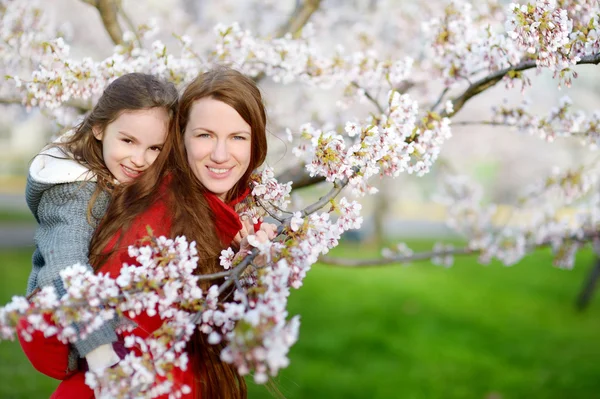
(155, 148)
(203, 135)
(239, 137)
(128, 141)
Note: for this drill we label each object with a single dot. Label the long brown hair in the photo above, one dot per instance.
(192, 215)
(130, 92)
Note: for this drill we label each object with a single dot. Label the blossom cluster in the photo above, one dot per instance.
(562, 121)
(546, 31)
(401, 249)
(394, 143)
(23, 29)
(262, 334)
(268, 195)
(538, 219)
(464, 43)
(58, 78)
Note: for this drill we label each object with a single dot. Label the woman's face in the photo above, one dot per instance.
(218, 145)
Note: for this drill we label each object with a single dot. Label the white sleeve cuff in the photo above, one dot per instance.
(102, 358)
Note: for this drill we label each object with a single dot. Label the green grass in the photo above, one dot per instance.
(420, 331)
(18, 379)
(13, 216)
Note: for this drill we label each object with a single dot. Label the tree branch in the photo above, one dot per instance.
(356, 263)
(233, 274)
(299, 177)
(10, 101)
(109, 10)
(490, 80)
(280, 220)
(489, 123)
(338, 186)
(359, 263)
(299, 18)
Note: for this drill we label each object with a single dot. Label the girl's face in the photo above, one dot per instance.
(132, 142)
(218, 143)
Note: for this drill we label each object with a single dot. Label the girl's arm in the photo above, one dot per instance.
(62, 240)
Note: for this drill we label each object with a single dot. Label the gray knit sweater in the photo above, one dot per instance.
(58, 192)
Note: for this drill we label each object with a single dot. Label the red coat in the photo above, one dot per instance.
(49, 356)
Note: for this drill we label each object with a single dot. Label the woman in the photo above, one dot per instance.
(219, 140)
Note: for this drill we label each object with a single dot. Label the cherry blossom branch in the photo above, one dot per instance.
(494, 123)
(471, 123)
(357, 263)
(338, 186)
(279, 209)
(238, 270)
(299, 177)
(11, 100)
(280, 220)
(419, 256)
(491, 80)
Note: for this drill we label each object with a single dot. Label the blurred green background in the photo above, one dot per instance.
(416, 331)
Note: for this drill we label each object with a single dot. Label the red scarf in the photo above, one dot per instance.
(227, 221)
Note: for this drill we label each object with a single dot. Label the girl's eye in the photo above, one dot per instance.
(203, 135)
(156, 148)
(239, 137)
(128, 141)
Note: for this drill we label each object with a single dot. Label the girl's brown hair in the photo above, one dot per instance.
(130, 92)
(192, 216)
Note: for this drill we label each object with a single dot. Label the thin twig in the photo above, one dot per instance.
(269, 212)
(441, 97)
(492, 123)
(129, 23)
(358, 263)
(347, 262)
(370, 98)
(279, 209)
(299, 177)
(489, 123)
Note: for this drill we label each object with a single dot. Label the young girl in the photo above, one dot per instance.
(70, 184)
